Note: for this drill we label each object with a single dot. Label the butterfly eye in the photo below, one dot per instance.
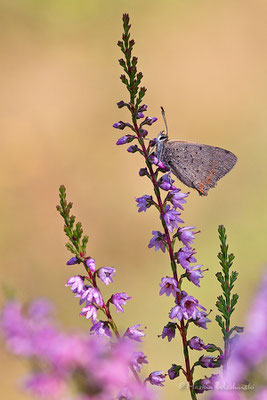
(162, 138)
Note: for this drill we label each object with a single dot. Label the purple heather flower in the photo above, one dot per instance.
(185, 256)
(177, 198)
(121, 125)
(138, 359)
(133, 149)
(202, 321)
(210, 362)
(156, 378)
(144, 202)
(210, 347)
(195, 343)
(143, 133)
(89, 312)
(90, 263)
(157, 162)
(162, 166)
(119, 299)
(91, 295)
(186, 235)
(106, 274)
(72, 261)
(168, 286)
(158, 241)
(76, 284)
(171, 218)
(149, 121)
(188, 308)
(135, 333)
(142, 108)
(195, 274)
(176, 312)
(140, 115)
(174, 371)
(152, 143)
(169, 331)
(210, 383)
(121, 104)
(166, 183)
(100, 329)
(143, 172)
(125, 139)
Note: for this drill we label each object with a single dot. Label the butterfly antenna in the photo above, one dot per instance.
(164, 119)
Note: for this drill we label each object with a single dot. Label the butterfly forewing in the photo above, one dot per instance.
(197, 165)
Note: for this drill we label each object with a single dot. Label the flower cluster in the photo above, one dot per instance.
(87, 289)
(69, 365)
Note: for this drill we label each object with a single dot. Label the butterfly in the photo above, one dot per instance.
(198, 166)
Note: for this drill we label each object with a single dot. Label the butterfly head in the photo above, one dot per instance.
(161, 137)
(159, 144)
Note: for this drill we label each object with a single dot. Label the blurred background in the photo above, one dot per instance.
(206, 63)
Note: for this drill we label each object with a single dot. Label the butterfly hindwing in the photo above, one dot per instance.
(197, 165)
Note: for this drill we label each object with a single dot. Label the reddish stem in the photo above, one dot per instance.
(182, 328)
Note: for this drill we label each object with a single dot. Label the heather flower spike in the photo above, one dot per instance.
(169, 202)
(87, 288)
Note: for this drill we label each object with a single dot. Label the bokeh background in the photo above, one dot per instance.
(206, 63)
